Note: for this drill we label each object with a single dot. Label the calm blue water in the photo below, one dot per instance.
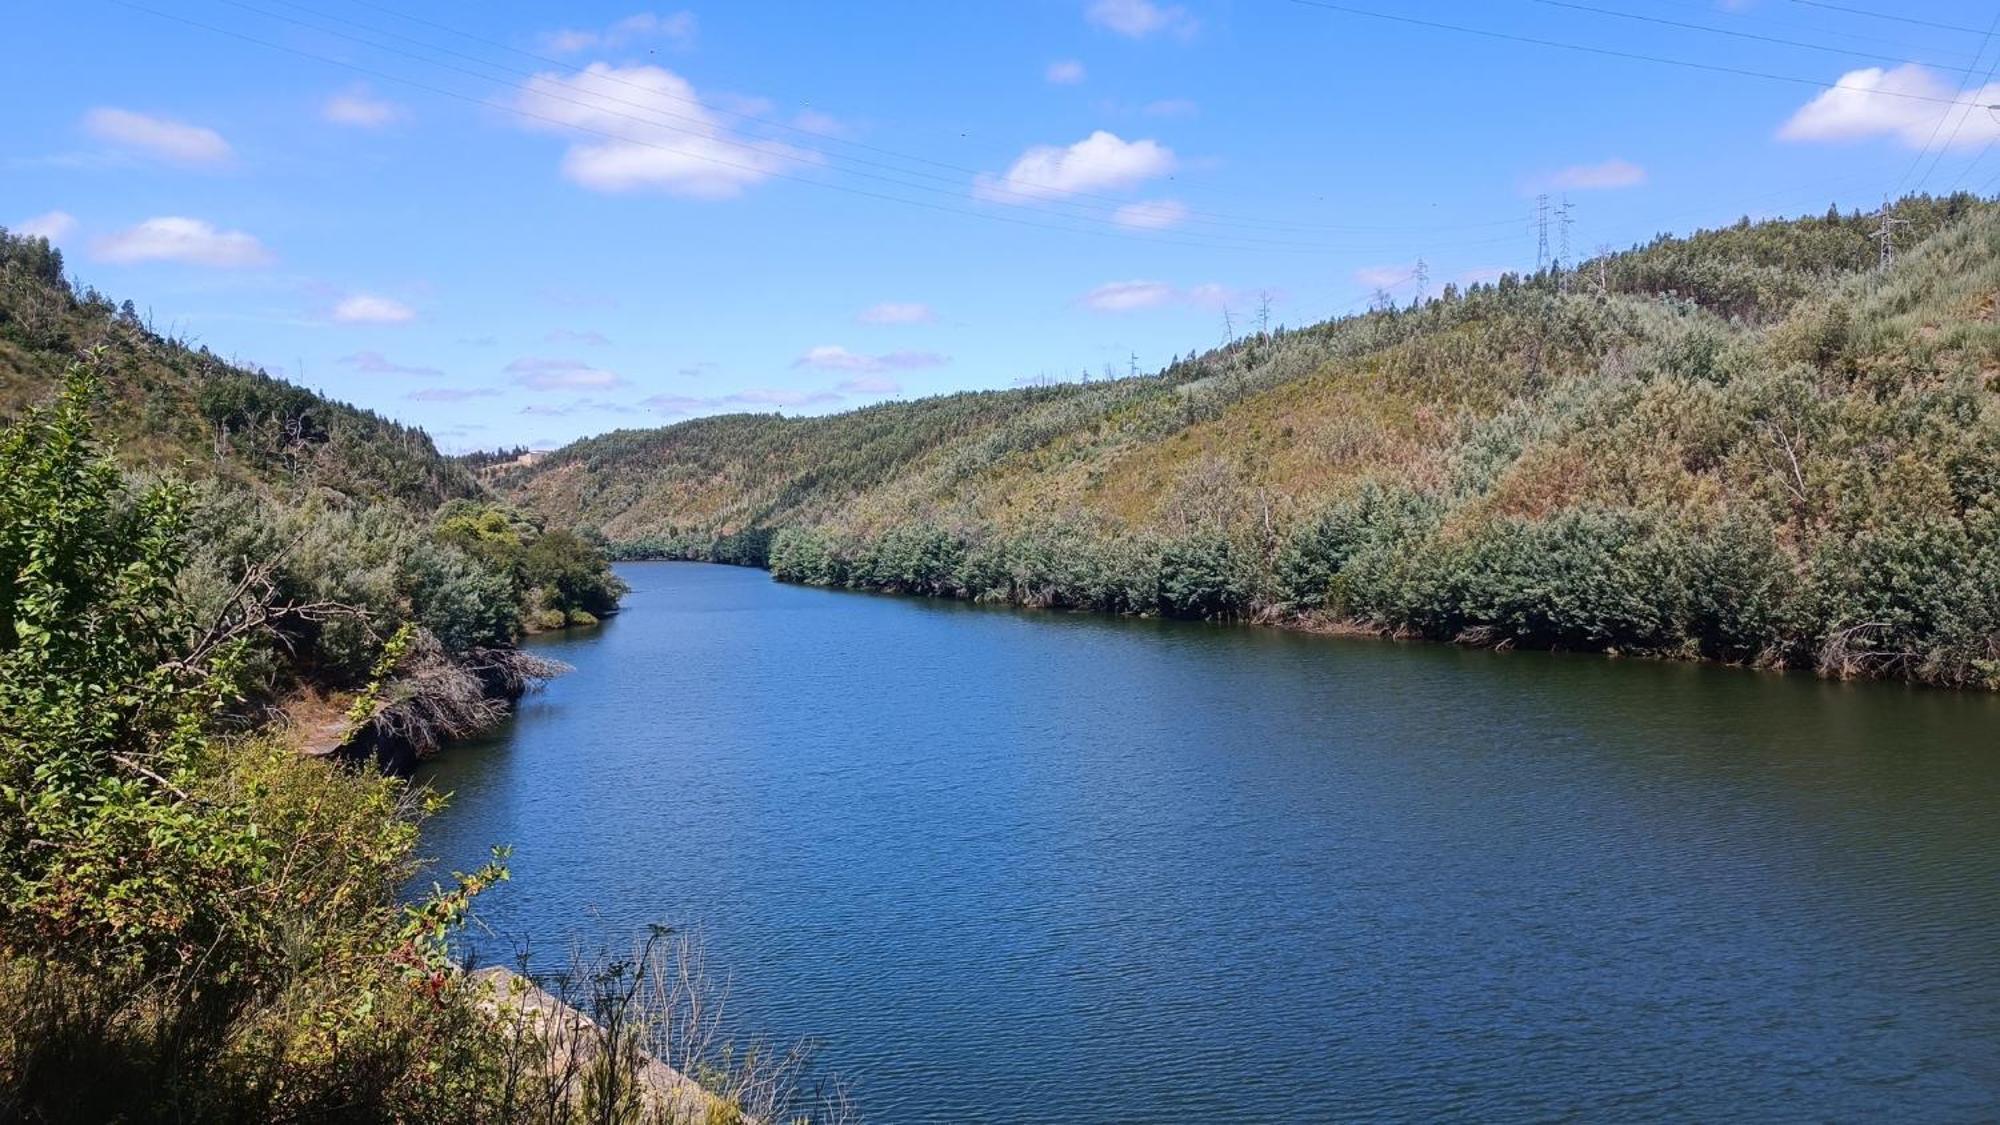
(1032, 867)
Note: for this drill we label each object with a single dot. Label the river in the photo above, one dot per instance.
(1016, 866)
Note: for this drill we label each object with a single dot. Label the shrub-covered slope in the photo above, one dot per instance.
(1749, 445)
(333, 526)
(171, 406)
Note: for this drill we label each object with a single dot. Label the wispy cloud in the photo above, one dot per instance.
(649, 132)
(1899, 103)
(160, 137)
(1127, 296)
(356, 108)
(543, 374)
(1098, 162)
(833, 357)
(52, 225)
(1137, 19)
(369, 308)
(375, 363)
(675, 405)
(1152, 214)
(451, 394)
(577, 406)
(780, 398)
(569, 336)
(1613, 173)
(869, 385)
(1384, 277)
(677, 29)
(897, 312)
(172, 238)
(1064, 72)
(1134, 296)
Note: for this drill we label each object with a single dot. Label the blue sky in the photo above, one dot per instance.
(522, 223)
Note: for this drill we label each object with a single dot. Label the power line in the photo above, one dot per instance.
(1109, 232)
(1615, 53)
(1739, 14)
(1873, 56)
(773, 174)
(1960, 124)
(699, 128)
(1852, 11)
(1212, 218)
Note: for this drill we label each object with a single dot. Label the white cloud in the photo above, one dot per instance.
(696, 158)
(1125, 296)
(1101, 160)
(1613, 173)
(358, 108)
(1064, 72)
(675, 28)
(170, 140)
(1137, 19)
(1874, 102)
(175, 239)
(539, 374)
(833, 357)
(375, 363)
(1151, 214)
(898, 312)
(52, 225)
(569, 336)
(367, 308)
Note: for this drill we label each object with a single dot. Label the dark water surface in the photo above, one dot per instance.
(1011, 866)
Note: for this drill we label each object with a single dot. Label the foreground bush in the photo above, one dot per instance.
(204, 926)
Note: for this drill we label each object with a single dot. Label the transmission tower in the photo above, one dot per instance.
(1541, 232)
(1564, 220)
(1423, 279)
(1886, 233)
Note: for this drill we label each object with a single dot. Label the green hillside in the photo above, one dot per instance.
(349, 525)
(1748, 445)
(169, 405)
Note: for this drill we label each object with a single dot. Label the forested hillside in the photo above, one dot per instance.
(322, 528)
(1747, 445)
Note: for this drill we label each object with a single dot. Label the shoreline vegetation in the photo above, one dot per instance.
(199, 921)
(1750, 446)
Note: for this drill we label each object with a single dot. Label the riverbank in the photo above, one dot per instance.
(1836, 658)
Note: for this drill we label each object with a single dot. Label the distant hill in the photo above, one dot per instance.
(1749, 444)
(172, 406)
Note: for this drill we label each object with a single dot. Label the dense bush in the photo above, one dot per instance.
(196, 926)
(554, 576)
